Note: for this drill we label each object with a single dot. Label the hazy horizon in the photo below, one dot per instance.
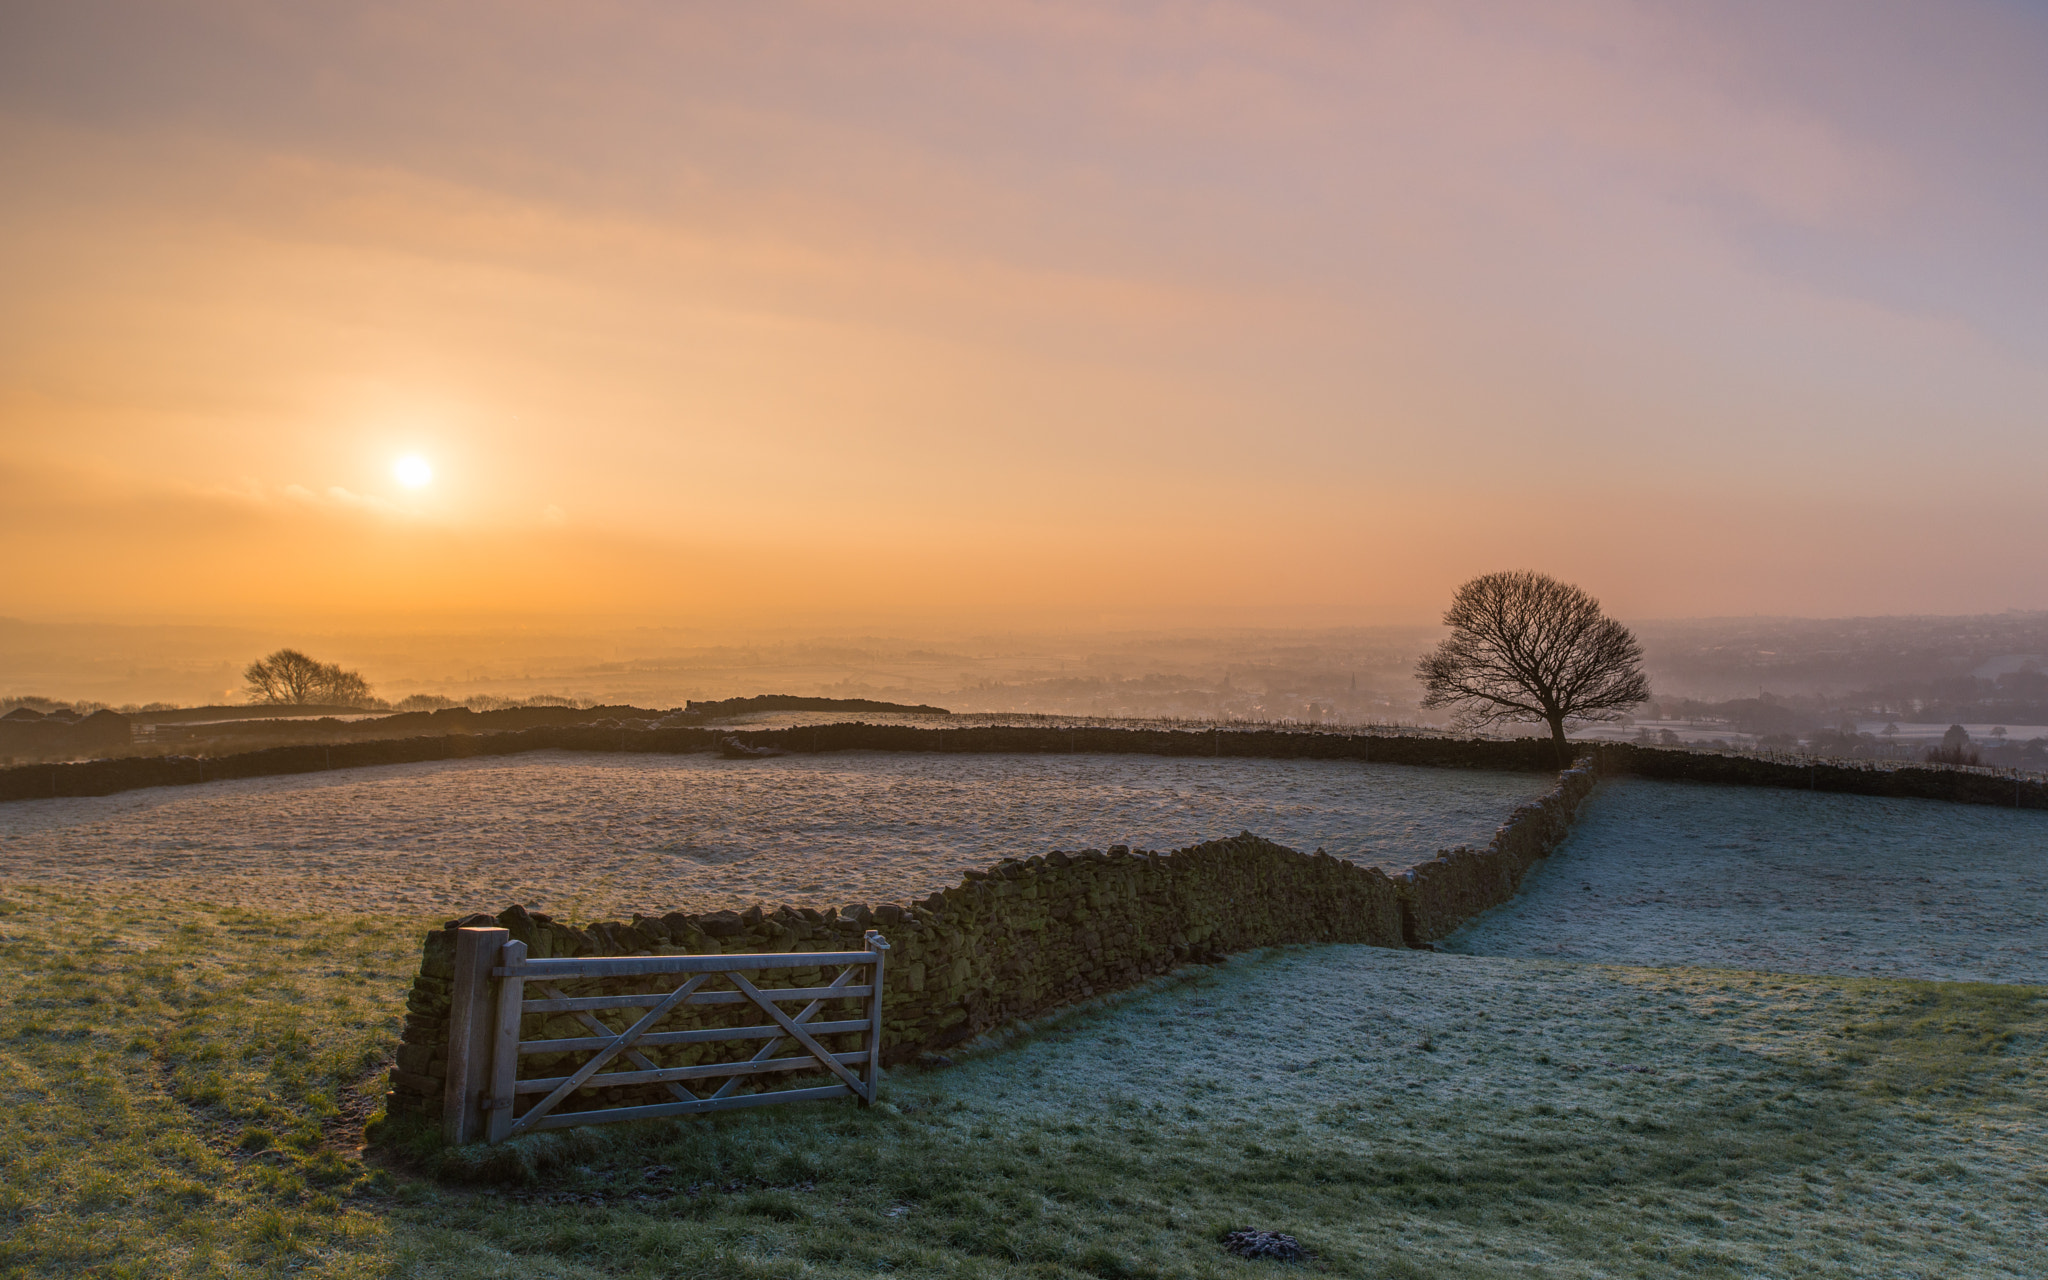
(1349, 673)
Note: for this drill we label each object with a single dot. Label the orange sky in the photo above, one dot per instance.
(1149, 314)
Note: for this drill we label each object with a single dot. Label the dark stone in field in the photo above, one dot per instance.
(1277, 1246)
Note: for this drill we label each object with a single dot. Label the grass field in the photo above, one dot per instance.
(1788, 881)
(185, 1089)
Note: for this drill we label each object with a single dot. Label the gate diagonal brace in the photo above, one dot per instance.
(802, 1037)
(621, 1044)
(845, 979)
(640, 1059)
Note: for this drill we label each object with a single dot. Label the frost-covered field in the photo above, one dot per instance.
(605, 835)
(1786, 881)
(177, 1111)
(1410, 1114)
(1512, 1116)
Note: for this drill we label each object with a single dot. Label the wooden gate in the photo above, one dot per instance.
(488, 1098)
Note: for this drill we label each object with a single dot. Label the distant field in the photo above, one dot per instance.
(602, 835)
(1789, 881)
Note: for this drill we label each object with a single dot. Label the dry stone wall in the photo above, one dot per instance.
(1439, 895)
(1873, 778)
(1018, 940)
(104, 777)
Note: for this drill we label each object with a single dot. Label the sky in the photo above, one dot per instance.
(1038, 314)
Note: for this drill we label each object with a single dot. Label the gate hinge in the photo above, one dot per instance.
(487, 1103)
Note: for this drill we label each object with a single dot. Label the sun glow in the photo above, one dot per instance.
(413, 471)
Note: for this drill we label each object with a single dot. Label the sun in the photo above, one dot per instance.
(413, 471)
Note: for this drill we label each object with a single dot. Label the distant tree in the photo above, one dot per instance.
(290, 678)
(1955, 748)
(346, 688)
(1524, 646)
(424, 702)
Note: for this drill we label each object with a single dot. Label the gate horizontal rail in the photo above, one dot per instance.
(636, 966)
(662, 1075)
(657, 1039)
(485, 1044)
(649, 999)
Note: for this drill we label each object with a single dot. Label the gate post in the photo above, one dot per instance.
(878, 946)
(504, 1043)
(469, 1033)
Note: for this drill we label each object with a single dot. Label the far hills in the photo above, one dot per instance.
(30, 735)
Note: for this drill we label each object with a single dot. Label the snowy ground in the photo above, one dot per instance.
(605, 835)
(1786, 881)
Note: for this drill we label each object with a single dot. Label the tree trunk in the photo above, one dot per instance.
(1564, 749)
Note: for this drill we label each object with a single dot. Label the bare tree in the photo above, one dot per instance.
(290, 678)
(1524, 646)
(345, 688)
